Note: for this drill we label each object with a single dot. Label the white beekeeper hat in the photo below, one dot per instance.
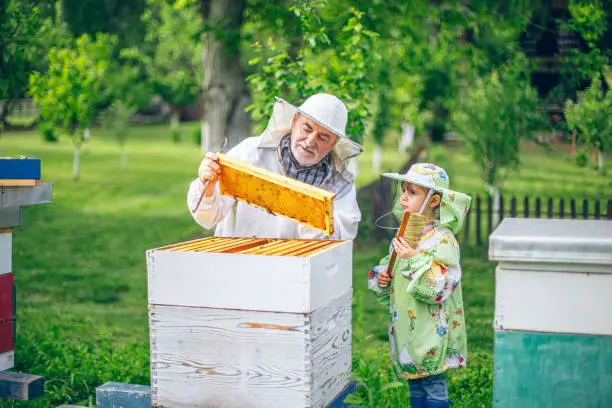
(326, 110)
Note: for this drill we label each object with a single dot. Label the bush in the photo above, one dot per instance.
(48, 133)
(197, 136)
(176, 135)
(581, 159)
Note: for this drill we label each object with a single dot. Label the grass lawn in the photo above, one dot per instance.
(80, 271)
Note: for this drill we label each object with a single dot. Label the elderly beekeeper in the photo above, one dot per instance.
(308, 144)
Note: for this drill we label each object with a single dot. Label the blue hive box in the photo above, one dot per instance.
(20, 168)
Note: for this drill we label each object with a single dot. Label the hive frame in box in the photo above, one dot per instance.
(277, 194)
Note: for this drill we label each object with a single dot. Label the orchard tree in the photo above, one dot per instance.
(496, 114)
(69, 91)
(591, 118)
(127, 90)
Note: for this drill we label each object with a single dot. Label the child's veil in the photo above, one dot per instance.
(454, 205)
(391, 219)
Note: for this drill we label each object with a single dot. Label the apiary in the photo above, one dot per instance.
(553, 332)
(250, 322)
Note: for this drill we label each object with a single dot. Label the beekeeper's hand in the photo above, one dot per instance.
(384, 278)
(404, 251)
(209, 171)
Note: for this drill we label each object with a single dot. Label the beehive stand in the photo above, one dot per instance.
(15, 194)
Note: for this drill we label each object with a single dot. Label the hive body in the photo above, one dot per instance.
(553, 335)
(260, 323)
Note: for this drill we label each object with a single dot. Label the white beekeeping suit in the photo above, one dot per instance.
(234, 218)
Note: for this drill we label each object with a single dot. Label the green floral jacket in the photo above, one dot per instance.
(427, 331)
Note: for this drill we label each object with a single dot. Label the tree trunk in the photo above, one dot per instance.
(4, 112)
(407, 137)
(75, 162)
(124, 157)
(600, 160)
(376, 158)
(205, 144)
(495, 196)
(225, 92)
(174, 127)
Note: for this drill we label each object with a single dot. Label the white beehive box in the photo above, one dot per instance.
(553, 333)
(240, 322)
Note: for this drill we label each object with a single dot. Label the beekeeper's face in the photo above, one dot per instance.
(310, 142)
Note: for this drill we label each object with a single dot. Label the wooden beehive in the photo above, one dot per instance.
(249, 322)
(553, 333)
(277, 194)
(7, 302)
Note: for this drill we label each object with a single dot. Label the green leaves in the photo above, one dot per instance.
(173, 50)
(591, 116)
(338, 64)
(70, 89)
(495, 115)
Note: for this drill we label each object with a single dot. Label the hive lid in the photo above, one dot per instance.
(277, 194)
(552, 241)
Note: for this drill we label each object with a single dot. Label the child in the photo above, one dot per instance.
(427, 330)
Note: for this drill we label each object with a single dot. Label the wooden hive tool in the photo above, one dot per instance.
(276, 194)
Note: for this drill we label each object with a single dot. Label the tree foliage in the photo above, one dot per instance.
(68, 93)
(119, 18)
(337, 64)
(26, 35)
(173, 49)
(495, 115)
(591, 118)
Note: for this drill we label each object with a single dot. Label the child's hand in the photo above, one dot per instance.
(384, 278)
(404, 251)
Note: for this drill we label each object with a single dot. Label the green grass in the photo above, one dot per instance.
(80, 271)
(543, 172)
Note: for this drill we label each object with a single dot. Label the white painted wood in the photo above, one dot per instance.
(558, 302)
(7, 360)
(249, 282)
(331, 350)
(20, 196)
(6, 252)
(331, 274)
(10, 217)
(556, 267)
(575, 242)
(204, 357)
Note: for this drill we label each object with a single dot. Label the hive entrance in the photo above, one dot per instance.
(254, 246)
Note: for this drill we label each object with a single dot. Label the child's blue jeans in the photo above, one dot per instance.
(432, 388)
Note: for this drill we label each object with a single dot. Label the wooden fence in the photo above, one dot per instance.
(479, 220)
